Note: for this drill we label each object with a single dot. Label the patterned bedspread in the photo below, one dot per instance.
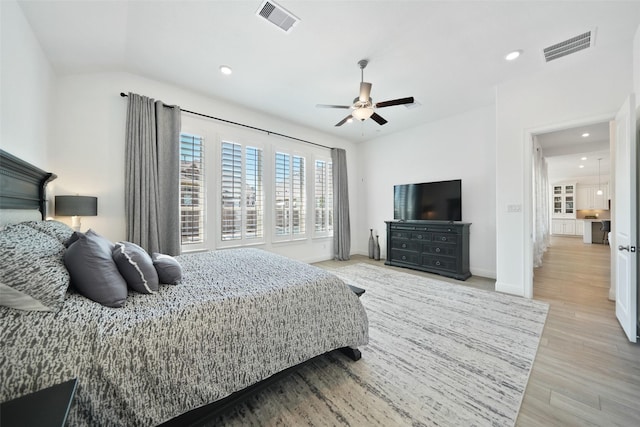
(239, 316)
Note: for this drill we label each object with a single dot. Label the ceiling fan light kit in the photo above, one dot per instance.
(362, 114)
(363, 106)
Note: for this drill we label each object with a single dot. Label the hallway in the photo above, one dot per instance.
(585, 372)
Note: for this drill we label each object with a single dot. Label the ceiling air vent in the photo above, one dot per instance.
(569, 46)
(277, 15)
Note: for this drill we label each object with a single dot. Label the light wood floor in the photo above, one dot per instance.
(586, 373)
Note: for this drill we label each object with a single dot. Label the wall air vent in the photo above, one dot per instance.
(277, 15)
(567, 47)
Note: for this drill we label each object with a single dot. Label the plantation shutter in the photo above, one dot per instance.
(192, 189)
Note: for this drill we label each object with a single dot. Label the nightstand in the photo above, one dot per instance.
(44, 408)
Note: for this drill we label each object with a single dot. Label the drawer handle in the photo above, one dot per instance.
(404, 258)
(419, 236)
(444, 238)
(404, 245)
(437, 262)
(437, 250)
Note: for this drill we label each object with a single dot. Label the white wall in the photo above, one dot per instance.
(458, 147)
(26, 86)
(87, 151)
(575, 89)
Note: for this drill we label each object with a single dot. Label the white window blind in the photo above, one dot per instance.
(290, 192)
(242, 192)
(231, 187)
(254, 193)
(282, 190)
(192, 189)
(323, 193)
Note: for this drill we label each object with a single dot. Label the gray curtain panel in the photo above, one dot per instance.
(152, 175)
(341, 223)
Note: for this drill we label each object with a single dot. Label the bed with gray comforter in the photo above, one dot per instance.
(238, 317)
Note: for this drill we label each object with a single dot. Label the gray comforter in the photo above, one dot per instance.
(238, 317)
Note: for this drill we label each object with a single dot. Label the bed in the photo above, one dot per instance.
(238, 319)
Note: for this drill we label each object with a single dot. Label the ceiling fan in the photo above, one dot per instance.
(363, 106)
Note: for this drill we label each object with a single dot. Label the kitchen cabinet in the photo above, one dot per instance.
(563, 226)
(563, 200)
(587, 197)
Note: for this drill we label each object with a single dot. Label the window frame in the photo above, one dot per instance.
(291, 152)
(328, 231)
(203, 245)
(244, 140)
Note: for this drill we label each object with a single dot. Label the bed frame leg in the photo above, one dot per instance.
(352, 353)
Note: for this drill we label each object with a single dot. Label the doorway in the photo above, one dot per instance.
(577, 156)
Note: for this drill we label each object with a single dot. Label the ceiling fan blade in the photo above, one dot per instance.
(343, 121)
(378, 119)
(400, 101)
(332, 106)
(365, 91)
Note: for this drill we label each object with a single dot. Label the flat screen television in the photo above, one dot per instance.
(435, 201)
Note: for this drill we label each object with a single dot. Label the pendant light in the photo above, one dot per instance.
(599, 192)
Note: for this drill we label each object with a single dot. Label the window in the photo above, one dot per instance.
(192, 202)
(323, 219)
(254, 193)
(242, 194)
(290, 197)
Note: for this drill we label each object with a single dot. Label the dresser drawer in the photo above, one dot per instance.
(439, 262)
(407, 245)
(421, 236)
(446, 250)
(405, 256)
(400, 234)
(445, 238)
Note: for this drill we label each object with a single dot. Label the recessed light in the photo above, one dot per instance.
(586, 134)
(583, 158)
(581, 166)
(226, 70)
(513, 55)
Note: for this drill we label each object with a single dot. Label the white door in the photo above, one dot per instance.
(626, 216)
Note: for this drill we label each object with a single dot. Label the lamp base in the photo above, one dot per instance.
(75, 223)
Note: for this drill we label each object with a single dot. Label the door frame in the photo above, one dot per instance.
(527, 191)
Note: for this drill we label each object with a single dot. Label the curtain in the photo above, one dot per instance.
(541, 206)
(341, 223)
(152, 175)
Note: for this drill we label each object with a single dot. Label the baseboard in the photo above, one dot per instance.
(509, 288)
(483, 273)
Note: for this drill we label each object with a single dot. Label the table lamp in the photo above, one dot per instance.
(75, 207)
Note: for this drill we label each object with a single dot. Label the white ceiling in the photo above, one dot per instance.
(565, 151)
(447, 54)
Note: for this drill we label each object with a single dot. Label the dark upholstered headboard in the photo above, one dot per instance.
(22, 185)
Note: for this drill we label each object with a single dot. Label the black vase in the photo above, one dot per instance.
(376, 250)
(372, 244)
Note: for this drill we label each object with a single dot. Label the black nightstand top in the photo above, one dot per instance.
(44, 408)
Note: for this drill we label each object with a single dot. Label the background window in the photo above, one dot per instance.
(192, 189)
(290, 197)
(323, 197)
(242, 193)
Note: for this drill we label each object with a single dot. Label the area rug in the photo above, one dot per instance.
(439, 354)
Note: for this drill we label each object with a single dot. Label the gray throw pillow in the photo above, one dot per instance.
(168, 268)
(136, 266)
(94, 274)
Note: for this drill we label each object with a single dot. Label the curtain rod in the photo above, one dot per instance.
(124, 95)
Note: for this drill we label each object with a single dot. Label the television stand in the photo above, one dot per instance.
(439, 247)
